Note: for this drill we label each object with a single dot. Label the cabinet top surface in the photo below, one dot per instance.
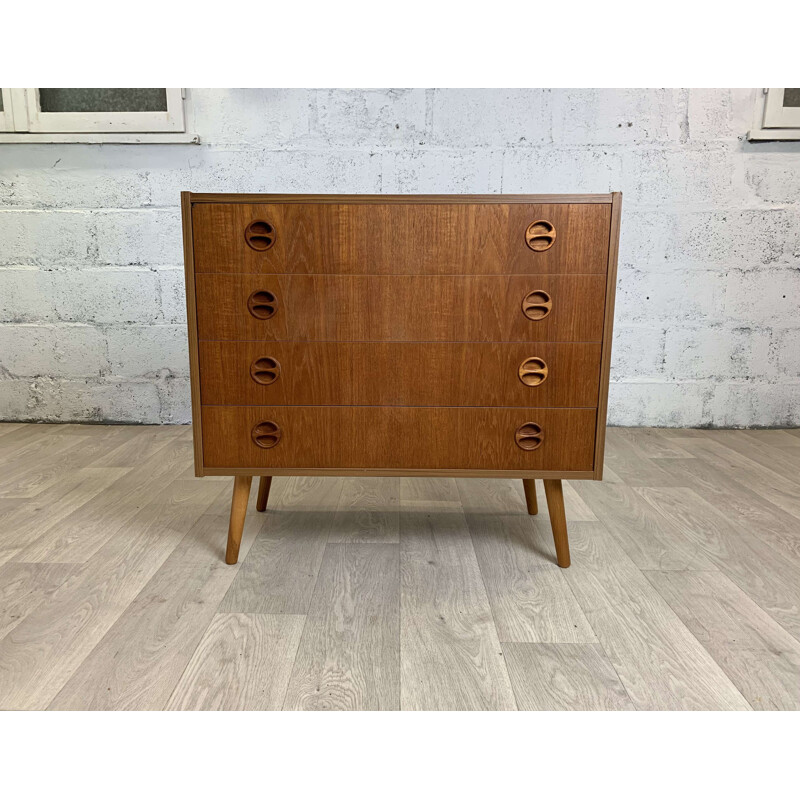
(398, 198)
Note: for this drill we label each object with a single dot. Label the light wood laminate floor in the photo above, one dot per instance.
(398, 593)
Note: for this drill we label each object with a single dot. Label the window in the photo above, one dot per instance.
(93, 115)
(777, 115)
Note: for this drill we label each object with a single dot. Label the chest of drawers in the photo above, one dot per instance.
(400, 335)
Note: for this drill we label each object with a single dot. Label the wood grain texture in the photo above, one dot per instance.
(243, 663)
(759, 656)
(400, 239)
(383, 199)
(564, 677)
(140, 660)
(280, 572)
(348, 656)
(239, 501)
(191, 321)
(608, 333)
(416, 308)
(651, 539)
(768, 577)
(38, 656)
(741, 505)
(450, 653)
(400, 374)
(558, 520)
(29, 525)
(531, 601)
(677, 636)
(83, 533)
(342, 437)
(23, 587)
(661, 665)
(369, 511)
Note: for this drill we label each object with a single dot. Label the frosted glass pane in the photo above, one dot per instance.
(791, 98)
(80, 100)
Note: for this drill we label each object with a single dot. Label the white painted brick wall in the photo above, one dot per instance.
(92, 314)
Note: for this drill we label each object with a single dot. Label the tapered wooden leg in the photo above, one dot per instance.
(558, 520)
(529, 484)
(241, 494)
(263, 492)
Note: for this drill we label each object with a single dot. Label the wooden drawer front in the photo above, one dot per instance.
(400, 374)
(350, 437)
(407, 239)
(399, 308)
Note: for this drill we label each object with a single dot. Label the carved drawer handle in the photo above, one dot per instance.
(529, 436)
(537, 305)
(266, 434)
(533, 371)
(262, 304)
(265, 370)
(260, 234)
(540, 235)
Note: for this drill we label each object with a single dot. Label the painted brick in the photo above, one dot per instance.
(114, 296)
(617, 116)
(702, 177)
(772, 177)
(148, 237)
(64, 350)
(711, 116)
(771, 297)
(442, 172)
(66, 188)
(175, 400)
(26, 295)
(744, 405)
(140, 350)
(173, 296)
(260, 118)
(716, 352)
(554, 171)
(48, 238)
(707, 308)
(786, 345)
(674, 405)
(490, 117)
(670, 297)
(92, 400)
(638, 352)
(735, 239)
(372, 117)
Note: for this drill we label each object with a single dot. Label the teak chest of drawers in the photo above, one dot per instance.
(400, 335)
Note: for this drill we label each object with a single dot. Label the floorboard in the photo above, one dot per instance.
(398, 593)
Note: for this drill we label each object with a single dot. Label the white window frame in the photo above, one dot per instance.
(7, 114)
(772, 121)
(24, 121)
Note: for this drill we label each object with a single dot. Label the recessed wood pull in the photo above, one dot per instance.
(265, 370)
(262, 304)
(266, 434)
(533, 371)
(537, 305)
(540, 235)
(260, 234)
(529, 436)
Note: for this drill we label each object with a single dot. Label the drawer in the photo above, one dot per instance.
(349, 437)
(400, 308)
(401, 238)
(400, 373)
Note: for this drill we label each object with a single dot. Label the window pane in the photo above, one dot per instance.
(81, 100)
(791, 98)
(1, 101)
